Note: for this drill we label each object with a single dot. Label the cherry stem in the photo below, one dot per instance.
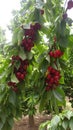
(55, 45)
(56, 63)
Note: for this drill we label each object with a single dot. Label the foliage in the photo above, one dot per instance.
(68, 74)
(2, 39)
(63, 121)
(2, 43)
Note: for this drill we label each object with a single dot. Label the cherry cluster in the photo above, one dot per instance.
(52, 78)
(30, 36)
(27, 44)
(53, 75)
(14, 59)
(56, 53)
(70, 4)
(20, 73)
(13, 85)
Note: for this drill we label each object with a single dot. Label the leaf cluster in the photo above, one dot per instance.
(63, 121)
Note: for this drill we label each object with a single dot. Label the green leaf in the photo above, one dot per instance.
(55, 104)
(43, 125)
(17, 64)
(63, 64)
(3, 117)
(12, 98)
(29, 69)
(60, 90)
(57, 95)
(40, 4)
(45, 30)
(2, 94)
(1, 124)
(55, 121)
(11, 121)
(15, 36)
(45, 98)
(63, 41)
(28, 4)
(6, 126)
(70, 38)
(13, 78)
(43, 101)
(69, 114)
(22, 54)
(48, 58)
(69, 21)
(37, 15)
(62, 80)
(60, 96)
(29, 55)
(65, 124)
(61, 28)
(20, 36)
(71, 123)
(26, 26)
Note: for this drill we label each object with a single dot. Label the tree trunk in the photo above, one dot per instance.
(31, 122)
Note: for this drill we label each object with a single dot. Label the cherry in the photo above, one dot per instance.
(37, 26)
(15, 89)
(42, 11)
(22, 76)
(65, 16)
(56, 53)
(47, 88)
(25, 67)
(70, 4)
(18, 74)
(27, 44)
(52, 78)
(11, 83)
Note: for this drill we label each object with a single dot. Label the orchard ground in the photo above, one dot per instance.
(22, 124)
